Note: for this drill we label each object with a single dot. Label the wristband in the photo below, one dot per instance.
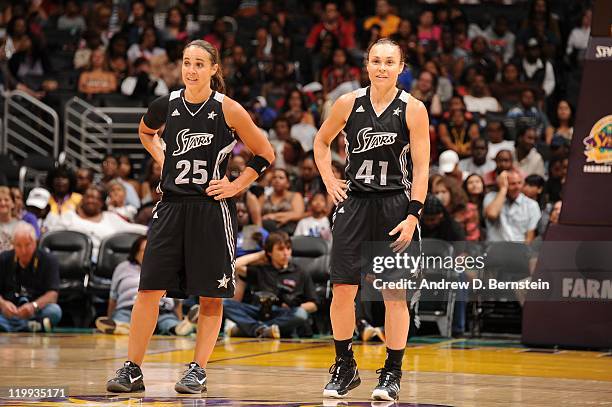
(414, 209)
(258, 163)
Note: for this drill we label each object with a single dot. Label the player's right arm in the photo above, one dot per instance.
(150, 123)
(330, 128)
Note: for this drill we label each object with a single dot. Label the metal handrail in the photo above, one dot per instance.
(52, 141)
(80, 117)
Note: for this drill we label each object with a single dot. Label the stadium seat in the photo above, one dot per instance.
(9, 170)
(437, 305)
(113, 250)
(73, 251)
(35, 167)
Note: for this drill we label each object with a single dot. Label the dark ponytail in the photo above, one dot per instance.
(216, 82)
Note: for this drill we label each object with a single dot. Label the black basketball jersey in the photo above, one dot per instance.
(378, 146)
(197, 145)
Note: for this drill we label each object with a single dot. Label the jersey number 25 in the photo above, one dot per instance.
(200, 174)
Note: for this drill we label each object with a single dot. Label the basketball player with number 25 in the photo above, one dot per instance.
(192, 240)
(387, 139)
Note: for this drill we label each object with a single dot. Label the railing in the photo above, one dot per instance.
(125, 140)
(30, 126)
(88, 134)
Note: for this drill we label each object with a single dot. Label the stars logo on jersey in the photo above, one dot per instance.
(360, 109)
(369, 140)
(212, 115)
(223, 282)
(397, 111)
(175, 113)
(186, 141)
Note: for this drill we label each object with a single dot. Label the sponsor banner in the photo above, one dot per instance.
(587, 193)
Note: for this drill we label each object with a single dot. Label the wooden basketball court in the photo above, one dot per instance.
(251, 372)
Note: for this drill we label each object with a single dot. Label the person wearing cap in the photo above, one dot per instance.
(29, 285)
(478, 163)
(38, 204)
(535, 69)
(448, 164)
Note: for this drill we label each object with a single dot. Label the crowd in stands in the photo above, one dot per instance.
(499, 82)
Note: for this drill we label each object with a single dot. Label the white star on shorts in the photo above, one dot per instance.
(212, 115)
(397, 111)
(223, 282)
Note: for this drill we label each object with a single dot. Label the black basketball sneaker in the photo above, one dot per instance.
(128, 379)
(345, 377)
(193, 380)
(388, 384)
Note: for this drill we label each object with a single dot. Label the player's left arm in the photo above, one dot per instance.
(417, 121)
(238, 119)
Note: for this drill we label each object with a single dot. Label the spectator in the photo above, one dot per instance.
(292, 154)
(534, 189)
(281, 209)
(29, 284)
(527, 158)
(251, 237)
(151, 179)
(124, 170)
(579, 37)
(424, 89)
(452, 57)
(427, 31)
(510, 215)
(339, 70)
(479, 163)
(176, 26)
(82, 56)
(449, 165)
(16, 31)
(309, 181)
(38, 204)
(332, 23)
(71, 19)
(91, 219)
(445, 87)
(559, 147)
(384, 18)
(537, 71)
(236, 165)
(217, 33)
(481, 59)
(501, 39)
(30, 66)
(276, 90)
(117, 56)
(478, 100)
(527, 114)
(458, 133)
(563, 123)
(302, 121)
(147, 46)
(110, 172)
(84, 179)
(475, 190)
(97, 78)
(508, 90)
(317, 224)
(557, 173)
(116, 201)
(437, 223)
(7, 221)
(20, 213)
(503, 162)
(496, 134)
(142, 85)
(61, 182)
(449, 192)
(276, 278)
(124, 287)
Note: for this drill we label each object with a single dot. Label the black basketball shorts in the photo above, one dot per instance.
(191, 248)
(360, 226)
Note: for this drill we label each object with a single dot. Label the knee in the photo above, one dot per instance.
(211, 306)
(54, 312)
(344, 295)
